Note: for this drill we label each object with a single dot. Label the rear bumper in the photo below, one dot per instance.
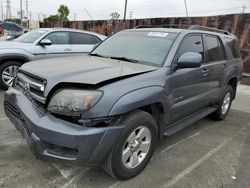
(52, 138)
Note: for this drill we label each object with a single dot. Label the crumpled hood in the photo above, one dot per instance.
(83, 69)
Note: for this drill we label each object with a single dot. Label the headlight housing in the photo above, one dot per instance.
(72, 102)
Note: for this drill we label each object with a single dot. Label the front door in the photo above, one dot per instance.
(60, 46)
(189, 86)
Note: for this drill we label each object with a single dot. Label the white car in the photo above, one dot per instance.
(40, 44)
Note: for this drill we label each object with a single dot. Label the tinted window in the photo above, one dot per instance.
(58, 37)
(81, 38)
(214, 49)
(191, 44)
(234, 47)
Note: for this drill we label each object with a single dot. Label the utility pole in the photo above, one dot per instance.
(131, 15)
(186, 8)
(27, 13)
(125, 10)
(21, 12)
(243, 9)
(27, 9)
(2, 14)
(8, 9)
(88, 14)
(74, 16)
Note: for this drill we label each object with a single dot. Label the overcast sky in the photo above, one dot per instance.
(101, 9)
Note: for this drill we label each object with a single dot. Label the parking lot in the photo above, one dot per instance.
(206, 154)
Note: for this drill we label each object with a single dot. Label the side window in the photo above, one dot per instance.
(191, 43)
(234, 47)
(58, 37)
(214, 49)
(81, 38)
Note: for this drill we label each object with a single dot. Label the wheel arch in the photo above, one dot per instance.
(19, 58)
(233, 82)
(150, 99)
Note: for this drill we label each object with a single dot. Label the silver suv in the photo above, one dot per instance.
(41, 44)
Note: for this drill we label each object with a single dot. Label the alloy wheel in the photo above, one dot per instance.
(136, 147)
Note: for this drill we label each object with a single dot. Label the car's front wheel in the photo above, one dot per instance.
(7, 73)
(131, 154)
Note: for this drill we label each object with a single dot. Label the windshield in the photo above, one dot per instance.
(31, 36)
(137, 46)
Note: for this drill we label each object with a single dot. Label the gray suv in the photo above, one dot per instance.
(41, 44)
(112, 107)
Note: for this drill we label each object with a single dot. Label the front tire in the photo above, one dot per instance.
(131, 154)
(7, 73)
(224, 104)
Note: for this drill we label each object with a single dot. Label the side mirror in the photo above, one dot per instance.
(45, 42)
(190, 60)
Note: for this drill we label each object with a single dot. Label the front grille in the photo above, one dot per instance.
(31, 85)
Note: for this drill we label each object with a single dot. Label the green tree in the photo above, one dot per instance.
(15, 20)
(114, 16)
(63, 13)
(52, 18)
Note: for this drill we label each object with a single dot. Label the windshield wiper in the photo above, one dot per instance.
(125, 59)
(98, 55)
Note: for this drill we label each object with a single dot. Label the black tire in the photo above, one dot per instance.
(219, 114)
(113, 164)
(2, 68)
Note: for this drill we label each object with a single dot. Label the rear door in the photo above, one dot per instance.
(216, 64)
(60, 46)
(83, 43)
(189, 86)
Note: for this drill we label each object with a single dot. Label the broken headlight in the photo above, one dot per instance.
(72, 102)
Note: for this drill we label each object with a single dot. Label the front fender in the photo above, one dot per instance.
(137, 99)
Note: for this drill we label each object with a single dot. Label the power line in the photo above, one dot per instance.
(88, 14)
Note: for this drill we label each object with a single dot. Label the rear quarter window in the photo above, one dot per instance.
(233, 46)
(82, 38)
(214, 48)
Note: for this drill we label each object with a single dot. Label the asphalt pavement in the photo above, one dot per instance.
(208, 154)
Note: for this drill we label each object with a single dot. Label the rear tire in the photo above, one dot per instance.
(224, 104)
(7, 73)
(132, 152)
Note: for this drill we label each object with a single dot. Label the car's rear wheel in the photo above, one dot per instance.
(131, 154)
(7, 73)
(224, 104)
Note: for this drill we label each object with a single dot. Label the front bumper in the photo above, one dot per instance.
(52, 138)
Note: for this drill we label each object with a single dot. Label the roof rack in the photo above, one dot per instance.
(176, 26)
(190, 27)
(203, 28)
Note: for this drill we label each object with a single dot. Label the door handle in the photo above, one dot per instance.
(67, 50)
(204, 71)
